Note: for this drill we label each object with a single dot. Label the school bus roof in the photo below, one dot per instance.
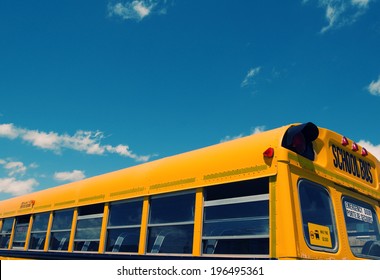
(235, 160)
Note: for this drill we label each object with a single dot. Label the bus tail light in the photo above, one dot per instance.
(299, 139)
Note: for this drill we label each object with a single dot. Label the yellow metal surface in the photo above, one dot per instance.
(198, 222)
(341, 164)
(231, 161)
(103, 230)
(144, 226)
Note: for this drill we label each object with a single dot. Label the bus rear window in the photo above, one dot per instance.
(317, 217)
(362, 227)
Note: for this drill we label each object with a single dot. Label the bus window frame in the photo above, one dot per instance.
(333, 232)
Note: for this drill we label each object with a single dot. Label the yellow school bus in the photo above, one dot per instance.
(295, 192)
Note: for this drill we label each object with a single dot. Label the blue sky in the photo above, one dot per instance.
(89, 87)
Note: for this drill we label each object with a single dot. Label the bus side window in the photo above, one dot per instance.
(236, 218)
(38, 233)
(362, 227)
(21, 229)
(171, 223)
(123, 230)
(6, 231)
(61, 228)
(87, 235)
(317, 216)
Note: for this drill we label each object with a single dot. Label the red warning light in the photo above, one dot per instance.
(269, 153)
(344, 141)
(355, 147)
(364, 152)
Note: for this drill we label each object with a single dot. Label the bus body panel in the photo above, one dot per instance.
(313, 207)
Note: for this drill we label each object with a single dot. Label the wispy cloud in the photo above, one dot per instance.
(83, 141)
(339, 13)
(137, 9)
(374, 149)
(249, 78)
(255, 130)
(229, 137)
(374, 87)
(15, 168)
(71, 176)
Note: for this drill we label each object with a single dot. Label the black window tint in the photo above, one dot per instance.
(237, 189)
(123, 214)
(171, 224)
(171, 239)
(172, 209)
(123, 230)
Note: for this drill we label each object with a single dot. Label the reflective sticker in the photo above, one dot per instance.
(358, 213)
(319, 235)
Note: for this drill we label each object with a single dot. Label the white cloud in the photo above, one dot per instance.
(250, 75)
(71, 176)
(141, 9)
(42, 140)
(8, 130)
(137, 9)
(374, 87)
(339, 13)
(17, 187)
(373, 149)
(83, 141)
